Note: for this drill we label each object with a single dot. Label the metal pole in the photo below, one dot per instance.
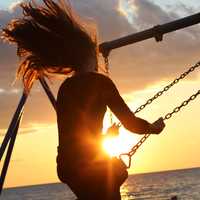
(155, 32)
(48, 92)
(13, 124)
(8, 155)
(13, 129)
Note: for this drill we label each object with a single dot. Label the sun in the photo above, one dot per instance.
(111, 146)
(115, 146)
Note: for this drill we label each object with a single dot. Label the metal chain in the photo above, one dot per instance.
(149, 101)
(166, 117)
(166, 88)
(183, 104)
(106, 60)
(133, 150)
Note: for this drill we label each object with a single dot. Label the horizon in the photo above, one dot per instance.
(153, 172)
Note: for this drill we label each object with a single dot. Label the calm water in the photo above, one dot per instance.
(157, 186)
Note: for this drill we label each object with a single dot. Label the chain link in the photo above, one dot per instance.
(106, 65)
(106, 60)
(183, 104)
(134, 149)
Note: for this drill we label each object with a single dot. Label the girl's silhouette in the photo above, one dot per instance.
(51, 39)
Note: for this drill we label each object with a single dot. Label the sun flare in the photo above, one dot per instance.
(111, 146)
(115, 146)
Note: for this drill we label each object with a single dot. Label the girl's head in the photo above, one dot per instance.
(51, 39)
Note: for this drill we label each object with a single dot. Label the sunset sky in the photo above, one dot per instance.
(139, 71)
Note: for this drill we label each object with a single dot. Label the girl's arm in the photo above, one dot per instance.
(126, 116)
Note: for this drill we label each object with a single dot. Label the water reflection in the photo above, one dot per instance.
(183, 184)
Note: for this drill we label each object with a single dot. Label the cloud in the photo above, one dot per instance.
(105, 12)
(3, 132)
(148, 62)
(8, 58)
(2, 91)
(32, 128)
(97, 10)
(14, 5)
(133, 68)
(11, 91)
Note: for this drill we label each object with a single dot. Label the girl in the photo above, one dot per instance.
(51, 39)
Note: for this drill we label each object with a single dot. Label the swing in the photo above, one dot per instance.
(115, 127)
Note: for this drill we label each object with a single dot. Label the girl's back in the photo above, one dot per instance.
(81, 105)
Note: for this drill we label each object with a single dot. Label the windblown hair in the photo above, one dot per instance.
(50, 40)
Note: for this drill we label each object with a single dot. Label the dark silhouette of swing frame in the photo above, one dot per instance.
(156, 32)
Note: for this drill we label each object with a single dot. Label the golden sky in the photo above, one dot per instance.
(139, 71)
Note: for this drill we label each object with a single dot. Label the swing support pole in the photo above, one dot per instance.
(10, 137)
(156, 32)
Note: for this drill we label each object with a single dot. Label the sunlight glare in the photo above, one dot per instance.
(115, 146)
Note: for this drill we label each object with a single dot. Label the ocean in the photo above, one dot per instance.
(185, 184)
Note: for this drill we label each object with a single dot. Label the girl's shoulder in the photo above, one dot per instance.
(100, 76)
(91, 76)
(86, 78)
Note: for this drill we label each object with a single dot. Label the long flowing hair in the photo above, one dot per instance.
(50, 39)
